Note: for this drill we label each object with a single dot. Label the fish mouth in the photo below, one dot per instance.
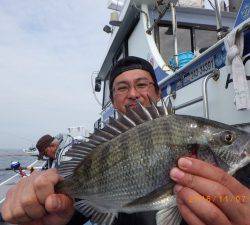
(205, 154)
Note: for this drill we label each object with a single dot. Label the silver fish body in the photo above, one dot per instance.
(130, 172)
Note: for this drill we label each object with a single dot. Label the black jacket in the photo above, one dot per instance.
(142, 218)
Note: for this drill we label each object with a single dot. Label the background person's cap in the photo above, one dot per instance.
(43, 143)
(130, 63)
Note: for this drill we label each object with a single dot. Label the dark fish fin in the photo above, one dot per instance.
(119, 125)
(75, 154)
(163, 200)
(169, 215)
(100, 218)
(124, 119)
(133, 115)
(165, 109)
(143, 112)
(112, 129)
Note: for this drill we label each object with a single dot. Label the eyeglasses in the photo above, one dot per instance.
(141, 85)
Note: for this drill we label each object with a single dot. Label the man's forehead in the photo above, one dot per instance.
(133, 76)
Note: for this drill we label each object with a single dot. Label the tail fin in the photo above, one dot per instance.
(243, 13)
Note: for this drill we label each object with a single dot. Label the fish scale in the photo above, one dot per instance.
(130, 172)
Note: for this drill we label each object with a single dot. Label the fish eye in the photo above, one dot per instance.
(228, 137)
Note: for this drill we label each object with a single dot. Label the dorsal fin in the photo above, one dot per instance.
(143, 112)
(134, 116)
(115, 123)
(93, 140)
(165, 110)
(111, 129)
(98, 138)
(125, 120)
(104, 134)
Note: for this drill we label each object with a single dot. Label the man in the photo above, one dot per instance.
(53, 148)
(133, 79)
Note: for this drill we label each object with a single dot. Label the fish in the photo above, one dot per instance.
(125, 166)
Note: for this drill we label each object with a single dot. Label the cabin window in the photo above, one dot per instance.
(205, 39)
(189, 38)
(167, 41)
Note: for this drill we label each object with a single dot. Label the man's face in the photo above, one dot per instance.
(131, 86)
(51, 150)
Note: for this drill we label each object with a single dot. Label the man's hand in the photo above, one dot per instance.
(33, 201)
(208, 195)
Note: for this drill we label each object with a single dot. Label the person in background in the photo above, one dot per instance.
(33, 200)
(53, 148)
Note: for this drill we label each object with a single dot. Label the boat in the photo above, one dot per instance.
(189, 46)
(33, 151)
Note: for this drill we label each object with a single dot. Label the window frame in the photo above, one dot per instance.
(189, 26)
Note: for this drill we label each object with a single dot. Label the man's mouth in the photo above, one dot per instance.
(131, 105)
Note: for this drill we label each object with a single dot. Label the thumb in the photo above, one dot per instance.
(56, 203)
(60, 209)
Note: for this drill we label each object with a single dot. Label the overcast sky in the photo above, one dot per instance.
(48, 51)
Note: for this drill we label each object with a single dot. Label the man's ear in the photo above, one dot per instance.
(159, 95)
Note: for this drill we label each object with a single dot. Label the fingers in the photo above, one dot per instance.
(30, 203)
(206, 170)
(214, 191)
(44, 185)
(199, 210)
(60, 208)
(18, 214)
(187, 214)
(5, 210)
(25, 201)
(58, 203)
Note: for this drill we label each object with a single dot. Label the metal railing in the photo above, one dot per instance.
(204, 97)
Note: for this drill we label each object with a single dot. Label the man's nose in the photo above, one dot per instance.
(133, 93)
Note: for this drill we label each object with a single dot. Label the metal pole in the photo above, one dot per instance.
(174, 25)
(215, 74)
(218, 20)
(191, 102)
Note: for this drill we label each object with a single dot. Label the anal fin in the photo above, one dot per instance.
(161, 199)
(169, 216)
(101, 218)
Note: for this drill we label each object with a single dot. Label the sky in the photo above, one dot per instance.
(48, 51)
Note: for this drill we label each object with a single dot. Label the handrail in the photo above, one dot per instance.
(188, 103)
(215, 75)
